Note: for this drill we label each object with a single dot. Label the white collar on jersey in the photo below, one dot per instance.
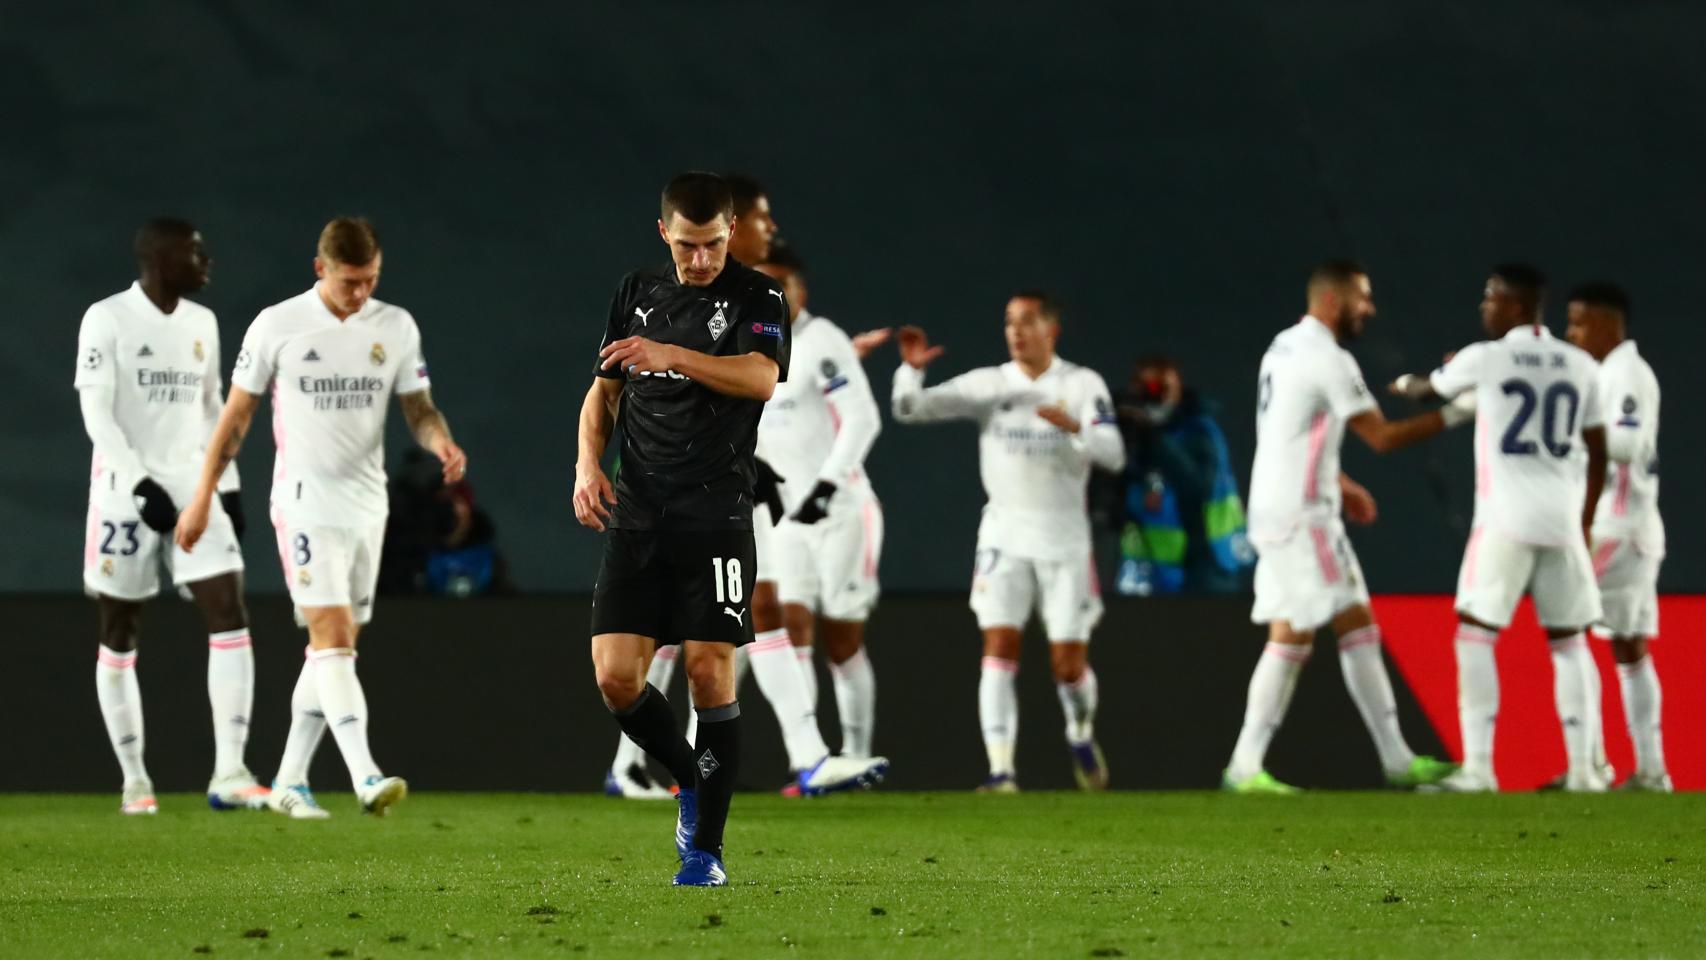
(141, 302)
(805, 317)
(1311, 322)
(326, 312)
(1529, 331)
(1012, 367)
(1627, 346)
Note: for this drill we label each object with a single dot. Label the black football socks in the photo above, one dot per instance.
(716, 756)
(650, 723)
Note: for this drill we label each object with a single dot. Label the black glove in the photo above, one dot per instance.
(232, 501)
(156, 506)
(764, 490)
(816, 506)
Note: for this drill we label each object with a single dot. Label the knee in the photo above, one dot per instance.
(226, 613)
(1628, 649)
(705, 674)
(120, 627)
(1001, 643)
(840, 649)
(620, 688)
(766, 608)
(1069, 661)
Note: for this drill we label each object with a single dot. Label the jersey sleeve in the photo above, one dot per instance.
(412, 376)
(257, 360)
(1594, 412)
(968, 396)
(847, 392)
(97, 347)
(764, 327)
(613, 330)
(1462, 372)
(1347, 394)
(1098, 435)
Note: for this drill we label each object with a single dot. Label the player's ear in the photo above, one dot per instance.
(319, 268)
(663, 231)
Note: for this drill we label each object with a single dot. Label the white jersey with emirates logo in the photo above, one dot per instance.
(1629, 507)
(164, 373)
(1034, 473)
(1534, 394)
(822, 420)
(1307, 389)
(331, 382)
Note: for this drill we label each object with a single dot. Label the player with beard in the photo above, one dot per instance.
(1309, 391)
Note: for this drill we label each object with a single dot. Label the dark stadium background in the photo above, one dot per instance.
(1171, 171)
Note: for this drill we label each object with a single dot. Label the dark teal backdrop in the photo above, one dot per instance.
(1170, 169)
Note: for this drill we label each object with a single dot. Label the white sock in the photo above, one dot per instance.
(1078, 701)
(345, 706)
(231, 692)
(1595, 693)
(1570, 693)
(998, 712)
(856, 701)
(662, 670)
(777, 671)
(1371, 689)
(307, 727)
(121, 707)
(808, 668)
(1642, 702)
(1477, 695)
(1271, 686)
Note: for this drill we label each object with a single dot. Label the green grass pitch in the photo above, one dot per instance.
(878, 875)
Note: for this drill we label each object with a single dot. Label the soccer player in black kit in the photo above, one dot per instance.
(691, 351)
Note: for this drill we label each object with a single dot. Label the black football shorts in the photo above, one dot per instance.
(675, 585)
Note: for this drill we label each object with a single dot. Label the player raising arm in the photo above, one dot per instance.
(331, 356)
(1539, 468)
(1308, 392)
(1044, 422)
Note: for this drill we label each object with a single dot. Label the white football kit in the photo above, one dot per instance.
(1033, 544)
(820, 425)
(1534, 395)
(331, 382)
(1628, 535)
(163, 374)
(1308, 388)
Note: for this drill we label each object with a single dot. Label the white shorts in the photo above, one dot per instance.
(831, 566)
(330, 566)
(122, 556)
(1308, 578)
(1628, 589)
(1497, 571)
(1005, 589)
(764, 545)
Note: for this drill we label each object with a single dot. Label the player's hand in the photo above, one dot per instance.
(454, 460)
(1410, 385)
(155, 505)
(864, 343)
(1058, 416)
(816, 506)
(1360, 507)
(634, 355)
(192, 523)
(592, 491)
(915, 348)
(766, 489)
(232, 503)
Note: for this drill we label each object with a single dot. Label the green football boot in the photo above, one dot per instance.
(1422, 771)
(1260, 782)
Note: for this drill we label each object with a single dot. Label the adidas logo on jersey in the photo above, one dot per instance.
(312, 356)
(145, 352)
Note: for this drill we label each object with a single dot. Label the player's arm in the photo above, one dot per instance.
(222, 447)
(212, 402)
(1098, 434)
(1384, 436)
(1359, 503)
(847, 392)
(429, 428)
(961, 398)
(597, 423)
(1594, 438)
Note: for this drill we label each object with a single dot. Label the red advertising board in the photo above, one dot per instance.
(1528, 748)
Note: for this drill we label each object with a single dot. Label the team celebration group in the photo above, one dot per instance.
(741, 532)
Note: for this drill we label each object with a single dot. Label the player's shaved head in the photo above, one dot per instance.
(1338, 274)
(1525, 282)
(745, 190)
(1515, 295)
(785, 266)
(755, 228)
(349, 240)
(1602, 295)
(783, 256)
(699, 197)
(171, 258)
